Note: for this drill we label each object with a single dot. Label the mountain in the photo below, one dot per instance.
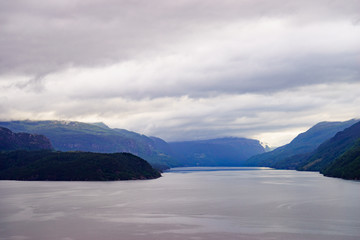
(347, 166)
(215, 152)
(73, 166)
(13, 141)
(96, 137)
(291, 155)
(332, 149)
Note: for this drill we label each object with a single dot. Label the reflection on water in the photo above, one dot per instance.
(229, 203)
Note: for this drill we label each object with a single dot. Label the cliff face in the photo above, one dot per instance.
(15, 141)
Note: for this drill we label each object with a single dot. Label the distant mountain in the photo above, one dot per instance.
(97, 137)
(332, 149)
(215, 152)
(291, 155)
(73, 166)
(346, 166)
(14, 141)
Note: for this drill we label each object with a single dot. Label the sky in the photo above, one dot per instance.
(185, 69)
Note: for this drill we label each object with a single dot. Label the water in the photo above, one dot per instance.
(245, 204)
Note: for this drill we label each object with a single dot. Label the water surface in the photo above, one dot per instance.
(221, 203)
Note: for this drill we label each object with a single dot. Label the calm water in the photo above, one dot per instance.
(185, 204)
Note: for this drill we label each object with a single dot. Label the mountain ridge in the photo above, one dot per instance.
(332, 149)
(94, 137)
(14, 141)
(347, 166)
(300, 146)
(98, 137)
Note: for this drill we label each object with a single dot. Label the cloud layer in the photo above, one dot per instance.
(185, 69)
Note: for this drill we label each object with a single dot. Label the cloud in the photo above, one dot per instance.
(274, 118)
(47, 36)
(185, 69)
(226, 63)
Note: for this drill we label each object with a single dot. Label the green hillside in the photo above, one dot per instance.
(332, 149)
(347, 166)
(73, 166)
(293, 154)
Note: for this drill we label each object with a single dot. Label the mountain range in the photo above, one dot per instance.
(97, 137)
(329, 151)
(329, 147)
(289, 155)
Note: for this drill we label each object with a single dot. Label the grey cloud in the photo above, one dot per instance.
(182, 69)
(290, 74)
(45, 36)
(187, 118)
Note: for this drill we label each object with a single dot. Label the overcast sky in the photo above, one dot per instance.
(185, 69)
